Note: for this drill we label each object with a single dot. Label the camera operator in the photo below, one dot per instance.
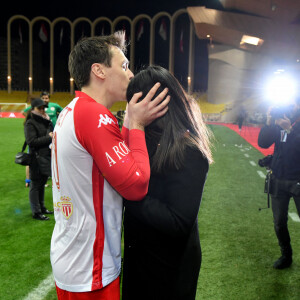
(283, 130)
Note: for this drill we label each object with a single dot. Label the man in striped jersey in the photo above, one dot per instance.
(94, 165)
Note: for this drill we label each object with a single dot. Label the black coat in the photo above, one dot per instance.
(37, 137)
(162, 253)
(286, 158)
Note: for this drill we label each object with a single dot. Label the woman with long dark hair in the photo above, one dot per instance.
(38, 130)
(162, 253)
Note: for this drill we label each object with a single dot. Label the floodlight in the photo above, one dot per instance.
(281, 89)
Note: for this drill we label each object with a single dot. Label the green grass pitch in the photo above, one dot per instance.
(238, 241)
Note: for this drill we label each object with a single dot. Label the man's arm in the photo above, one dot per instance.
(268, 135)
(141, 114)
(58, 108)
(126, 168)
(25, 111)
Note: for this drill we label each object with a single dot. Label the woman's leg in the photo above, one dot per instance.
(42, 193)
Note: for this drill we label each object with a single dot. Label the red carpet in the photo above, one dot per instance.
(248, 133)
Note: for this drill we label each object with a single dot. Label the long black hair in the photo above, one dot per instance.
(183, 125)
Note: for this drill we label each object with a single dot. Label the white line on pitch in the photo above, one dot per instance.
(246, 155)
(261, 174)
(42, 290)
(294, 217)
(252, 163)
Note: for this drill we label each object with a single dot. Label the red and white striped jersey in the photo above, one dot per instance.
(92, 169)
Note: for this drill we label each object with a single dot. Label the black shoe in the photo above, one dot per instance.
(47, 212)
(40, 217)
(283, 262)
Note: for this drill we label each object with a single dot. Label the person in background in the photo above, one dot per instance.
(52, 110)
(93, 167)
(162, 253)
(38, 135)
(242, 114)
(25, 112)
(120, 117)
(283, 129)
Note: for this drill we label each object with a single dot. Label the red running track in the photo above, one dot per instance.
(248, 133)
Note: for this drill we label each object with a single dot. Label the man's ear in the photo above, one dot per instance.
(98, 70)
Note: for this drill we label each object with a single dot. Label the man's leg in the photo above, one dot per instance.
(280, 205)
(297, 203)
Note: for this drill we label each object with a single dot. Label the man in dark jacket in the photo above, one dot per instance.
(284, 131)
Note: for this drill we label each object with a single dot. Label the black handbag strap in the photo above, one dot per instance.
(24, 146)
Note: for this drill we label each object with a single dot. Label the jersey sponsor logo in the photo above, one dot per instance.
(105, 120)
(119, 151)
(65, 206)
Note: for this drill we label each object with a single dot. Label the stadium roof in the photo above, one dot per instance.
(273, 26)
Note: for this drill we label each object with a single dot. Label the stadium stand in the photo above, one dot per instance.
(212, 112)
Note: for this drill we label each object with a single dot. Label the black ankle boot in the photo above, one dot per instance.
(47, 212)
(40, 217)
(283, 262)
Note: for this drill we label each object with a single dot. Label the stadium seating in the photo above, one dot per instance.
(63, 98)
